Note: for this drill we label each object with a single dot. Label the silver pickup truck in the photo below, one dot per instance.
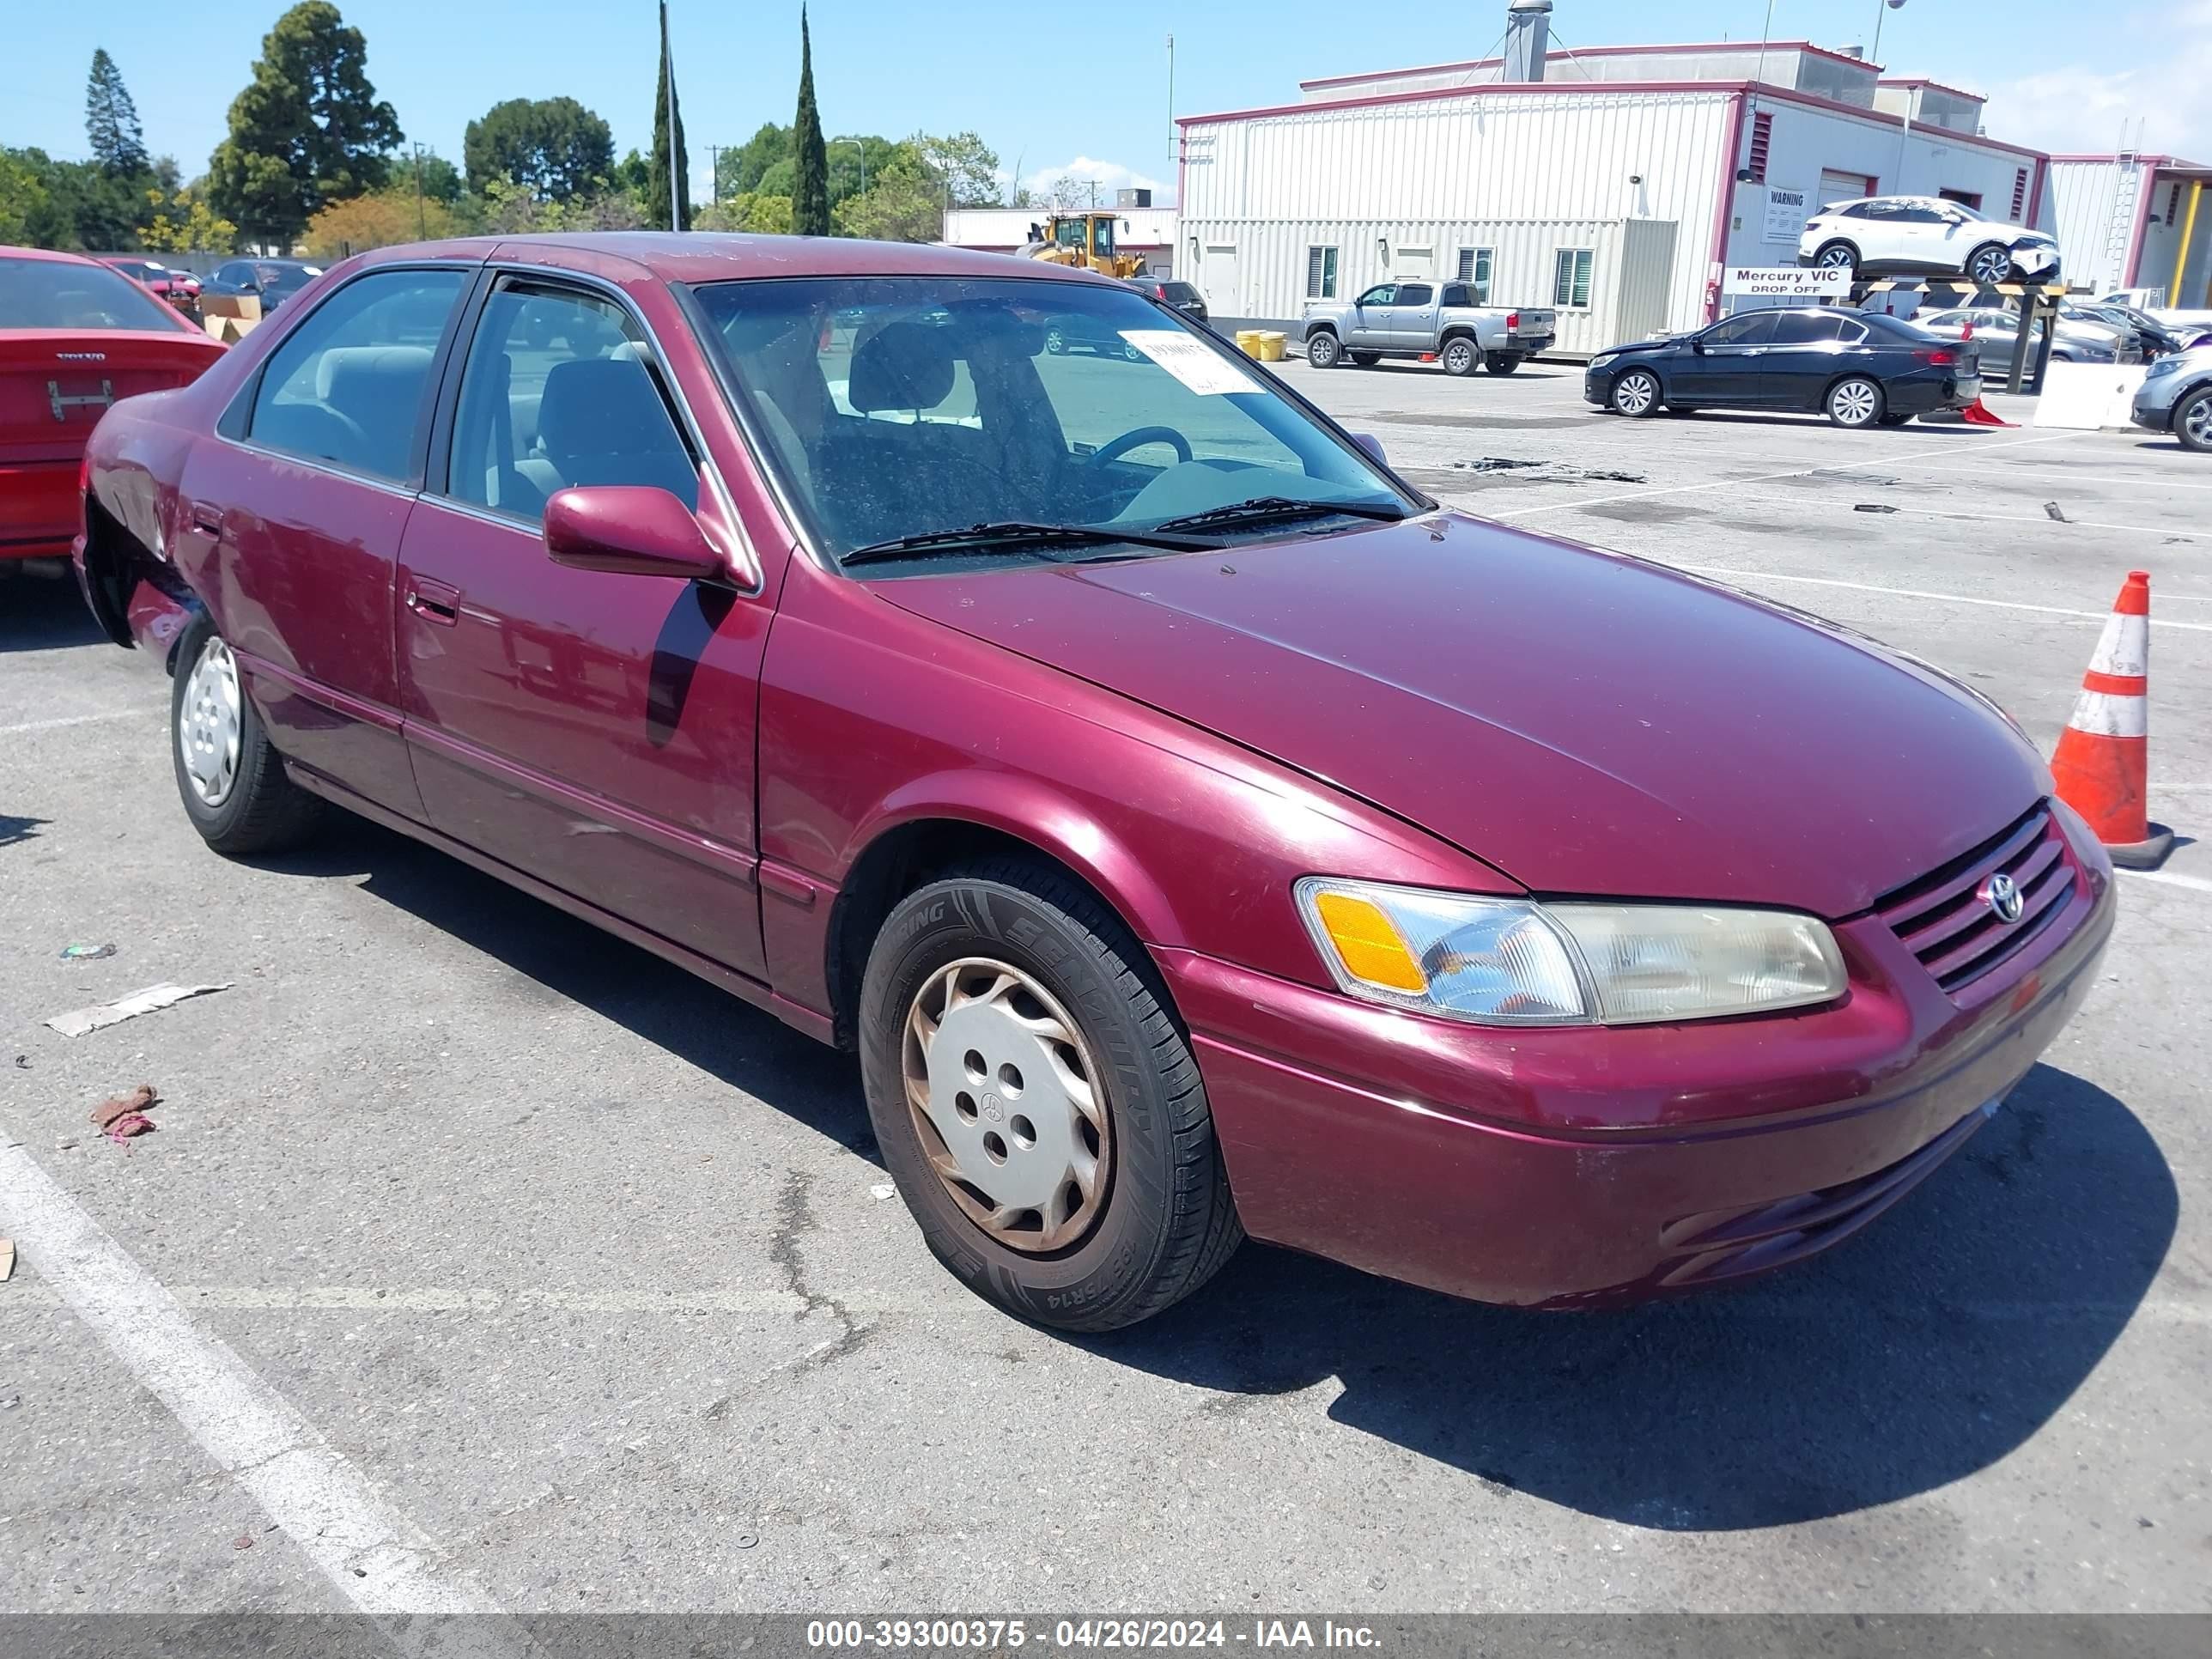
(1425, 319)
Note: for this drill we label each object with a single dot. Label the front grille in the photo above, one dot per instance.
(1944, 920)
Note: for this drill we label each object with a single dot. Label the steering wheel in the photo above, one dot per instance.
(1142, 434)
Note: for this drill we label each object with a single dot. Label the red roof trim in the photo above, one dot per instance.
(1585, 89)
(1598, 51)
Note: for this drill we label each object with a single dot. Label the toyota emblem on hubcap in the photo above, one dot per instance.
(2001, 895)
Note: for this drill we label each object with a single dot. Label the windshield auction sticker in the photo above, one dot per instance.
(1190, 360)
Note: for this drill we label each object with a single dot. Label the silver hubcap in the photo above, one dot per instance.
(2196, 421)
(207, 723)
(1634, 394)
(1458, 357)
(1053, 340)
(1855, 402)
(1990, 267)
(1323, 350)
(1007, 1103)
(1835, 257)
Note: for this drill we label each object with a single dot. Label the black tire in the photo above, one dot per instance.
(1364, 359)
(1639, 400)
(1167, 1223)
(1501, 362)
(1460, 357)
(1855, 402)
(1055, 341)
(1988, 266)
(2192, 421)
(1681, 408)
(1322, 350)
(1894, 420)
(1831, 255)
(263, 810)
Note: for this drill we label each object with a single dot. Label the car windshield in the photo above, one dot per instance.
(912, 406)
(1960, 211)
(64, 293)
(289, 279)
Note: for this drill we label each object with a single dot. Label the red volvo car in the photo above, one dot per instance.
(1196, 830)
(74, 335)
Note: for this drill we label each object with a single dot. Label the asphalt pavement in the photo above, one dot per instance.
(481, 1260)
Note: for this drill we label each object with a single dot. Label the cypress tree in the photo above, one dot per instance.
(667, 113)
(810, 195)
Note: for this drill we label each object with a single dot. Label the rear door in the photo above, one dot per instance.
(293, 516)
(1808, 351)
(594, 730)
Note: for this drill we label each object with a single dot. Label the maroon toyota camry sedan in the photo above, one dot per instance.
(1196, 830)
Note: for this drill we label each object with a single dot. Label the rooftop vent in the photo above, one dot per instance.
(1528, 38)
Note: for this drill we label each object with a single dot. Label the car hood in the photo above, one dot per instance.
(1584, 722)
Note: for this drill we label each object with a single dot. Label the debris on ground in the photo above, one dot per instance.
(78, 1021)
(2051, 511)
(22, 1062)
(881, 1190)
(1873, 507)
(7, 1260)
(124, 1116)
(243, 1541)
(87, 952)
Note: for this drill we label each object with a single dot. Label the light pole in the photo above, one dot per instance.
(1171, 124)
(421, 223)
(1905, 132)
(1875, 56)
(863, 150)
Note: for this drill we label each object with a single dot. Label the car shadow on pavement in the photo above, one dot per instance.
(1925, 1349)
(743, 1046)
(1919, 427)
(43, 613)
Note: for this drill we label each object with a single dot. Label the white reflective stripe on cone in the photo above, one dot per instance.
(2101, 714)
(2123, 648)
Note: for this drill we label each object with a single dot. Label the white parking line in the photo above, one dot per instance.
(2169, 878)
(68, 719)
(379, 1560)
(2064, 473)
(1919, 593)
(2042, 520)
(1770, 478)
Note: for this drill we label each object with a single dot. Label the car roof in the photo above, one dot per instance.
(716, 256)
(54, 254)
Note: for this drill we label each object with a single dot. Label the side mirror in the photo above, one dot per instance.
(1698, 348)
(629, 530)
(1371, 447)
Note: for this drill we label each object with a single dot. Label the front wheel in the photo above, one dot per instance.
(1636, 393)
(1036, 1103)
(1988, 265)
(1855, 402)
(1502, 362)
(1055, 341)
(1322, 350)
(1895, 419)
(229, 775)
(2192, 423)
(1460, 357)
(1131, 352)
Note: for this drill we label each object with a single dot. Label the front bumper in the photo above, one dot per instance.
(2035, 262)
(1552, 1167)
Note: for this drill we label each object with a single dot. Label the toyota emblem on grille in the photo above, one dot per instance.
(2001, 895)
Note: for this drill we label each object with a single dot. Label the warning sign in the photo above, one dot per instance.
(1787, 211)
(1788, 281)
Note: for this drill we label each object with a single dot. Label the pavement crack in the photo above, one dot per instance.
(794, 1211)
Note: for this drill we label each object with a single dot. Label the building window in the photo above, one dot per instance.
(1570, 278)
(1474, 271)
(1320, 273)
(1963, 198)
(1762, 140)
(2018, 193)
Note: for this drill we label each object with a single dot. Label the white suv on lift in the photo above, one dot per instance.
(1925, 236)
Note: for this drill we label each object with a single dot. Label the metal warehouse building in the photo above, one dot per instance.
(1614, 183)
(2135, 221)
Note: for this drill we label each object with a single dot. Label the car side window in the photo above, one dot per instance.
(351, 385)
(1455, 294)
(1798, 328)
(1384, 294)
(1414, 294)
(557, 392)
(1753, 328)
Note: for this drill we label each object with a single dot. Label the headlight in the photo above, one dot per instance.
(1514, 962)
(2162, 365)
(1603, 358)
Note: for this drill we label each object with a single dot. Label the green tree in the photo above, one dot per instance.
(178, 221)
(24, 203)
(968, 167)
(739, 170)
(308, 131)
(810, 190)
(748, 210)
(554, 146)
(440, 180)
(672, 163)
(904, 204)
(111, 120)
(76, 205)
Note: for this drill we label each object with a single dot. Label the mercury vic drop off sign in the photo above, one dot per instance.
(1788, 281)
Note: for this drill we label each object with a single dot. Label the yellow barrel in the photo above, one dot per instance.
(1271, 345)
(1248, 342)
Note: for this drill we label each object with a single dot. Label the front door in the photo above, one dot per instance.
(1369, 325)
(1729, 367)
(1411, 318)
(593, 731)
(291, 521)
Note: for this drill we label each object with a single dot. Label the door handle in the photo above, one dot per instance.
(207, 519)
(434, 601)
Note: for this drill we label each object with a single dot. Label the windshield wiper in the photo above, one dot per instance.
(1260, 508)
(1017, 535)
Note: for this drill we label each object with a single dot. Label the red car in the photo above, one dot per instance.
(180, 287)
(1197, 831)
(74, 337)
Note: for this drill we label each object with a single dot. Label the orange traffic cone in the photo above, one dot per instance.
(2102, 766)
(1978, 413)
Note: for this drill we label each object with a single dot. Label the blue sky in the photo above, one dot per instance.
(1056, 89)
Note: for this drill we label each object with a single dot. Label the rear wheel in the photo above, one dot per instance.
(1501, 362)
(1055, 341)
(1839, 256)
(231, 779)
(1636, 393)
(1131, 352)
(2192, 421)
(1036, 1103)
(1459, 356)
(1322, 350)
(1856, 401)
